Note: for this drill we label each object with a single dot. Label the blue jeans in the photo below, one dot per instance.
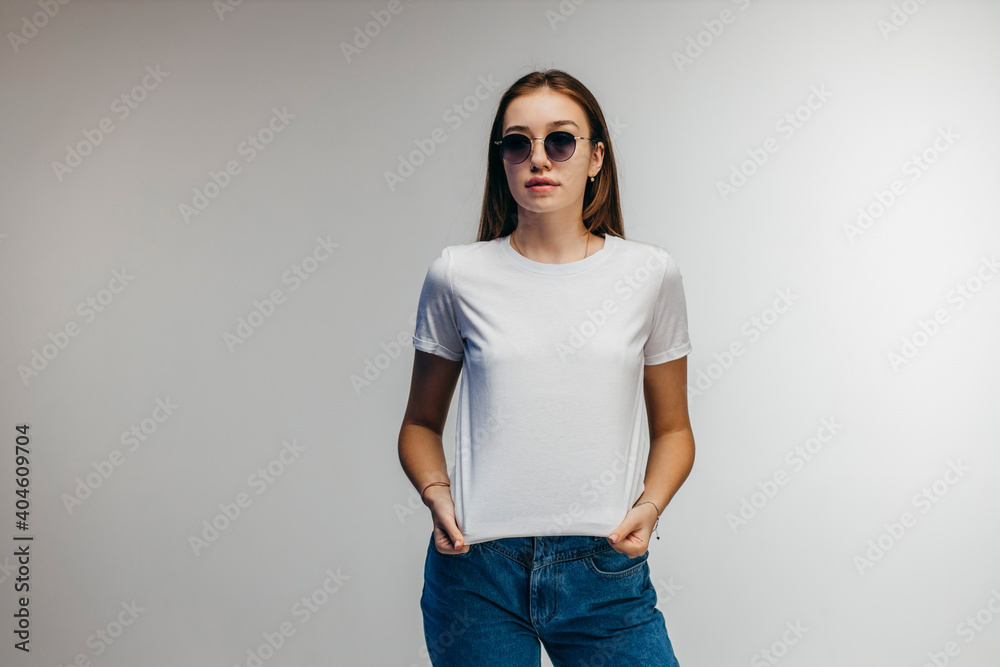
(586, 603)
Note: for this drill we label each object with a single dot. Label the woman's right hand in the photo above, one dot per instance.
(446, 530)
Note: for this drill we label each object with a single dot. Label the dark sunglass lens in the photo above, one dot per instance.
(515, 147)
(560, 146)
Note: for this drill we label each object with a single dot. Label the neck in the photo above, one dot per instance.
(552, 246)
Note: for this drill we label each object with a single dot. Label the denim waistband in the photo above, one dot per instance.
(542, 550)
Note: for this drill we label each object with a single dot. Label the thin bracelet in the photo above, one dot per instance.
(657, 524)
(430, 485)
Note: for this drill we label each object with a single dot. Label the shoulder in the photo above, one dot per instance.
(463, 257)
(456, 264)
(650, 255)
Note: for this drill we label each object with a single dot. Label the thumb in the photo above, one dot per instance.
(451, 530)
(627, 525)
(457, 538)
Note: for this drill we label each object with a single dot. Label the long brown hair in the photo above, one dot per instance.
(602, 212)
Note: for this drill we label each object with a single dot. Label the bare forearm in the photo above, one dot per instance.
(421, 453)
(671, 457)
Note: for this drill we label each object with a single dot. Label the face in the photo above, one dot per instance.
(536, 115)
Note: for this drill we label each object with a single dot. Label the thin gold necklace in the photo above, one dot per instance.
(516, 247)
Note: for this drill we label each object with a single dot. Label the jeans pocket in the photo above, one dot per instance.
(612, 564)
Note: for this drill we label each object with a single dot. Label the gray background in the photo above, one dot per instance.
(343, 505)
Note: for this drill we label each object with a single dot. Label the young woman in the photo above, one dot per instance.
(567, 333)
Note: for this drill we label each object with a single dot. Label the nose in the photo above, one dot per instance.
(538, 157)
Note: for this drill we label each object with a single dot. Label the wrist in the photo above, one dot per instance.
(656, 507)
(433, 492)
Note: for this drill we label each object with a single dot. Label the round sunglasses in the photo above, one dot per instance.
(559, 146)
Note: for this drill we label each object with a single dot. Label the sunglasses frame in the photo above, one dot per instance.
(543, 140)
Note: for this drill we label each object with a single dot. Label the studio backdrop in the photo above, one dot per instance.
(216, 219)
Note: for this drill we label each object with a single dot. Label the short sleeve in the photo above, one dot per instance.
(668, 336)
(437, 322)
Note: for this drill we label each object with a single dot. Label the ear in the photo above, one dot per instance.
(597, 159)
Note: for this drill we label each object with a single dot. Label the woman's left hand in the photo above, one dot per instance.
(637, 528)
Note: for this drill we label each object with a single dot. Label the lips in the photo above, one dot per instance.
(540, 181)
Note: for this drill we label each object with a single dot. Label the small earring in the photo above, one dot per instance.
(591, 179)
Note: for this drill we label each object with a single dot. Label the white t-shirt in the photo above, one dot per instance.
(551, 435)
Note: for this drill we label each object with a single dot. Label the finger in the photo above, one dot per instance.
(626, 527)
(455, 534)
(447, 535)
(634, 543)
(458, 541)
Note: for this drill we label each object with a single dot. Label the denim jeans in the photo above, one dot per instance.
(501, 601)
